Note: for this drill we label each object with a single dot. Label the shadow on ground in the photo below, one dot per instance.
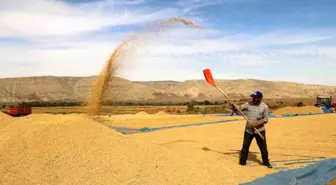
(286, 162)
(251, 157)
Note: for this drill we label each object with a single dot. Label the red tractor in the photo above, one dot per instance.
(333, 106)
(19, 111)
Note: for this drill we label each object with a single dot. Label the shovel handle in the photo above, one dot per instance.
(239, 111)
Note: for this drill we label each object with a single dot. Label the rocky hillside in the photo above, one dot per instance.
(50, 88)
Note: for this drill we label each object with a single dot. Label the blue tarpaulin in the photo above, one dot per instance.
(204, 123)
(326, 110)
(174, 126)
(319, 173)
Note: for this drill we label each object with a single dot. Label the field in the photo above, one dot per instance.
(76, 149)
(223, 107)
(104, 111)
(147, 129)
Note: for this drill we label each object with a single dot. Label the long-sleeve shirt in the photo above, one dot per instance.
(255, 113)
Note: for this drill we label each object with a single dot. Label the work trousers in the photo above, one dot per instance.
(234, 111)
(261, 143)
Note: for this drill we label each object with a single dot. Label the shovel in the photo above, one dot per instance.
(211, 81)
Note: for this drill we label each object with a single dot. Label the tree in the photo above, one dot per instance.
(190, 106)
(207, 102)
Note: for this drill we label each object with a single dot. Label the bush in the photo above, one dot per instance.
(190, 106)
(206, 102)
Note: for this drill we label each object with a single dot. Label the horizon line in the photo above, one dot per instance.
(139, 81)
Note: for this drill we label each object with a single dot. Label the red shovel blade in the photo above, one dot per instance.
(208, 77)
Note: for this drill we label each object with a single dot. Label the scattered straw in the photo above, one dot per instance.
(101, 85)
(172, 21)
(128, 47)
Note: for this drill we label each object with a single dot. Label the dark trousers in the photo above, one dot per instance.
(234, 111)
(261, 143)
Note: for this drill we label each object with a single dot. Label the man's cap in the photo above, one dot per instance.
(257, 94)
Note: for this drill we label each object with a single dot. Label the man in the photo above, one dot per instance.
(257, 114)
(234, 111)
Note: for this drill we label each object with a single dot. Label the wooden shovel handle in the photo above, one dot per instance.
(239, 111)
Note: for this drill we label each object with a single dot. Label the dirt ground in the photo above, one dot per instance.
(74, 149)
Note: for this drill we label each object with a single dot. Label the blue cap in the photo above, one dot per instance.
(257, 94)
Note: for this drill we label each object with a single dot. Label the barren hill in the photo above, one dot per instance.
(50, 88)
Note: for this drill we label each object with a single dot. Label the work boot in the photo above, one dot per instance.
(268, 165)
(243, 163)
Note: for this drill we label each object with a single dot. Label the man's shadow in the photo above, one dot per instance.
(251, 156)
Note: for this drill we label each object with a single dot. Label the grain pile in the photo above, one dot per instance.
(141, 120)
(5, 120)
(297, 110)
(76, 150)
(162, 113)
(4, 117)
(141, 113)
(292, 142)
(333, 182)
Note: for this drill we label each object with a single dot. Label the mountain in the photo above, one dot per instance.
(51, 88)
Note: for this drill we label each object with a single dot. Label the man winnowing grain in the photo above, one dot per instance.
(257, 114)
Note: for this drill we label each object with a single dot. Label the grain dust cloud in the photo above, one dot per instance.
(129, 46)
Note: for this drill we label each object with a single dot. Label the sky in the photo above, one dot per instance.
(281, 40)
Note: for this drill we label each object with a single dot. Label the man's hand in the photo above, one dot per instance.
(258, 123)
(252, 125)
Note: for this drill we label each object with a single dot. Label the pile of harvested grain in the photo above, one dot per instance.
(4, 116)
(332, 182)
(297, 110)
(76, 150)
(292, 143)
(73, 149)
(151, 110)
(142, 113)
(140, 121)
(161, 113)
(5, 119)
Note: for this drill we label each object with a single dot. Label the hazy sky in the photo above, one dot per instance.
(260, 39)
